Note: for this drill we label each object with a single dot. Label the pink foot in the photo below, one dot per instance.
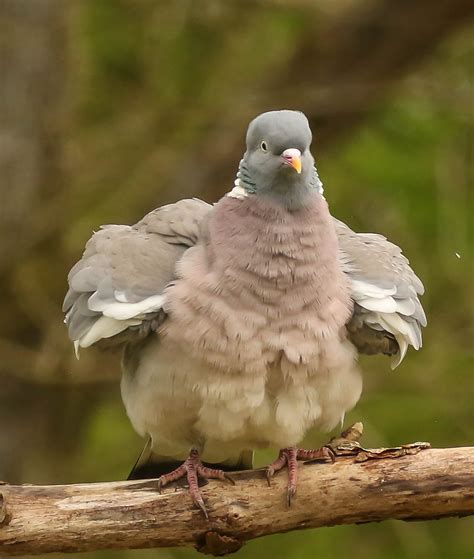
(289, 457)
(192, 469)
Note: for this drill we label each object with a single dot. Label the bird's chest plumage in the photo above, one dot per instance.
(255, 338)
(265, 290)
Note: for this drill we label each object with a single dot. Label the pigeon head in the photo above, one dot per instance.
(278, 162)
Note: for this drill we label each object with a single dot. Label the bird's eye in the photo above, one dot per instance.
(263, 146)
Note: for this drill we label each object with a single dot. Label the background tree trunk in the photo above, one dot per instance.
(40, 424)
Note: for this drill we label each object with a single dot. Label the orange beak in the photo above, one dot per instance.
(292, 157)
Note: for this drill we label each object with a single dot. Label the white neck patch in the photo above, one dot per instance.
(238, 191)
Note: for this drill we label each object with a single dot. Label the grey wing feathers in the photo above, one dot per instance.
(118, 284)
(388, 315)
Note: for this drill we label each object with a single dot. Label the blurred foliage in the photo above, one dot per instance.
(145, 87)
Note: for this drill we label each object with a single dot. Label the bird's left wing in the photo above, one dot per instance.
(116, 289)
(388, 315)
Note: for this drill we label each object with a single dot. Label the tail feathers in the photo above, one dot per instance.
(150, 465)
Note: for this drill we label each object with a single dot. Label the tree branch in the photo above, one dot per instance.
(433, 484)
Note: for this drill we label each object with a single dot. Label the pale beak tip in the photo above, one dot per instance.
(292, 157)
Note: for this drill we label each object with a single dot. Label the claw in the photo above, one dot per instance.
(229, 478)
(269, 473)
(290, 494)
(331, 454)
(199, 502)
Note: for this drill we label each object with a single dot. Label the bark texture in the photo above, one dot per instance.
(370, 487)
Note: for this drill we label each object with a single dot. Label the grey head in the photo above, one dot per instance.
(278, 162)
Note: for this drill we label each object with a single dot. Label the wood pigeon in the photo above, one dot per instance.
(241, 322)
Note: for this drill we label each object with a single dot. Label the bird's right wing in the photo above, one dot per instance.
(118, 284)
(388, 315)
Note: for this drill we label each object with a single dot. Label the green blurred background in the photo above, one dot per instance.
(109, 108)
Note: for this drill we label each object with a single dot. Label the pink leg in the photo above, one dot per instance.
(192, 469)
(289, 457)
